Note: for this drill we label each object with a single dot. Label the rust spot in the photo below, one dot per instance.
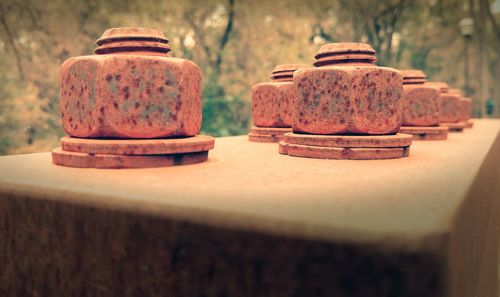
(126, 93)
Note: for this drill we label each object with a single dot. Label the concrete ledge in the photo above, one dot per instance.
(251, 222)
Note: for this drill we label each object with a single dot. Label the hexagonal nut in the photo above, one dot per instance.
(420, 105)
(347, 99)
(272, 104)
(465, 108)
(130, 96)
(449, 108)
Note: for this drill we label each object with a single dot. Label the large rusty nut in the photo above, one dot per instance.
(449, 108)
(272, 104)
(347, 100)
(465, 108)
(130, 89)
(420, 106)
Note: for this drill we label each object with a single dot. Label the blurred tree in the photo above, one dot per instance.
(212, 26)
(374, 22)
(236, 43)
(494, 22)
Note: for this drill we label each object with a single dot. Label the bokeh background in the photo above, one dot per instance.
(237, 43)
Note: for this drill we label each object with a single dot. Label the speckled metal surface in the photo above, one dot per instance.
(345, 153)
(426, 133)
(455, 127)
(272, 101)
(131, 105)
(196, 143)
(465, 108)
(449, 106)
(420, 101)
(347, 94)
(131, 88)
(421, 114)
(346, 102)
(104, 161)
(267, 134)
(359, 141)
(252, 222)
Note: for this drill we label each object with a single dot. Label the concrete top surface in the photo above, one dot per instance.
(249, 186)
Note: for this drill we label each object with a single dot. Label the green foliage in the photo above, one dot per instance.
(224, 115)
(8, 119)
(236, 44)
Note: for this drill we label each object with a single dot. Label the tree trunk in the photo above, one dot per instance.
(224, 39)
(496, 68)
(496, 90)
(11, 41)
(482, 51)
